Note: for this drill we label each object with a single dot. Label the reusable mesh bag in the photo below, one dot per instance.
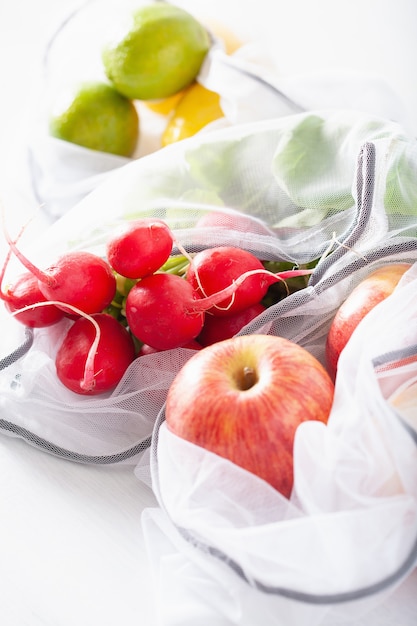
(337, 201)
(57, 174)
(241, 553)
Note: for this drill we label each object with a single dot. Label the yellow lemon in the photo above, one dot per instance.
(197, 108)
(98, 117)
(230, 40)
(166, 105)
(160, 54)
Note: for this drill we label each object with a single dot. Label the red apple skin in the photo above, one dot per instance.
(243, 399)
(364, 297)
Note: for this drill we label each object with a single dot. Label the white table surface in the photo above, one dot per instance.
(71, 544)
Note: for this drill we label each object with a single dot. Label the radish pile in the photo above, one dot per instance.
(139, 299)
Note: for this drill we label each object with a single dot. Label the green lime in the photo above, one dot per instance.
(98, 117)
(160, 53)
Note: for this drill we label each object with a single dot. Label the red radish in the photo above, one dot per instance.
(191, 345)
(88, 379)
(140, 247)
(217, 329)
(159, 311)
(81, 279)
(214, 269)
(113, 353)
(25, 292)
(165, 311)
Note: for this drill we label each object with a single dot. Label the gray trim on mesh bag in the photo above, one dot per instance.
(365, 183)
(310, 598)
(20, 351)
(47, 446)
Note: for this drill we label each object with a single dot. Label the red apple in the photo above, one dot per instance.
(364, 297)
(243, 399)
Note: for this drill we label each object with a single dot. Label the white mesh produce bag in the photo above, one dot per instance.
(240, 553)
(355, 192)
(57, 174)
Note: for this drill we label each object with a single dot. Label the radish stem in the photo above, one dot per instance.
(42, 276)
(200, 286)
(209, 301)
(4, 295)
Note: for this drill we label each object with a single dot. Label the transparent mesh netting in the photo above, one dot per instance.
(328, 183)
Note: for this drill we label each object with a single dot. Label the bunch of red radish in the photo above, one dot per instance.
(218, 291)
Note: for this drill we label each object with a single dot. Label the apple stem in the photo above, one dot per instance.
(203, 304)
(248, 378)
